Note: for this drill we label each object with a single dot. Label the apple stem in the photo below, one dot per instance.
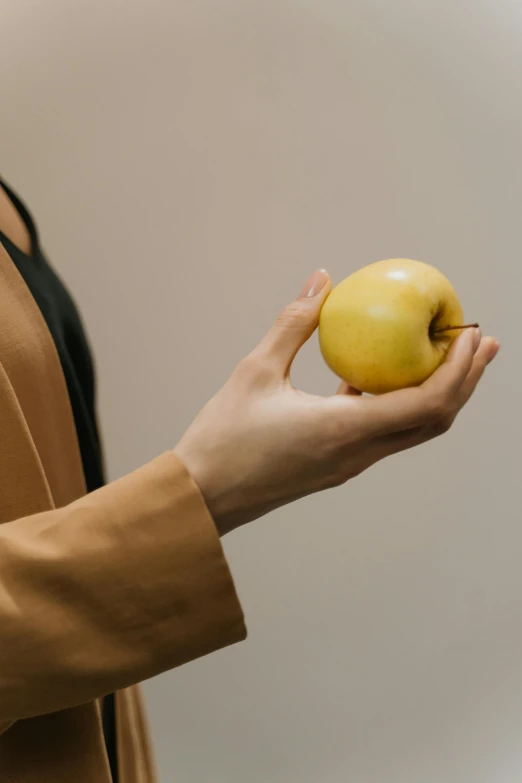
(453, 328)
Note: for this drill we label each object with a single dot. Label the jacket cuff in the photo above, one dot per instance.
(185, 597)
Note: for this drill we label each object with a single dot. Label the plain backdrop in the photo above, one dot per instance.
(190, 162)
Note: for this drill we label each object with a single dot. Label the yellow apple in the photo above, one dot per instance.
(382, 328)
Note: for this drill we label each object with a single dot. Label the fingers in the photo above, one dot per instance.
(400, 441)
(437, 397)
(486, 353)
(296, 324)
(345, 389)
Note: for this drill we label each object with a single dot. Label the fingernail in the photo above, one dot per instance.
(495, 348)
(314, 285)
(477, 337)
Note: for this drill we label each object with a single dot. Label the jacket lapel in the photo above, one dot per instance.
(41, 469)
(40, 447)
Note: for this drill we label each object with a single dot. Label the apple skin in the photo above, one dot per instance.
(376, 328)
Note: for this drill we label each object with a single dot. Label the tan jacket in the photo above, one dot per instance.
(97, 592)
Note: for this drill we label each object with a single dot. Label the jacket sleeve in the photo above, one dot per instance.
(121, 585)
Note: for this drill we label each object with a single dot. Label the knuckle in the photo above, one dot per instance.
(438, 408)
(347, 472)
(254, 368)
(336, 480)
(442, 426)
(291, 317)
(337, 476)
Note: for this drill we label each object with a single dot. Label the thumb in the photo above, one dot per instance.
(297, 322)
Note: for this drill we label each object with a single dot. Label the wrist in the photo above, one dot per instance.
(213, 497)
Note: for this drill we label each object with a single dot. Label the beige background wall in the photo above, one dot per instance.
(190, 163)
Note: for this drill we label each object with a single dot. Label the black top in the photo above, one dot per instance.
(65, 326)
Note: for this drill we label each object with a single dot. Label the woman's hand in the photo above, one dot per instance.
(260, 443)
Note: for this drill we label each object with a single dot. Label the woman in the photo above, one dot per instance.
(102, 587)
